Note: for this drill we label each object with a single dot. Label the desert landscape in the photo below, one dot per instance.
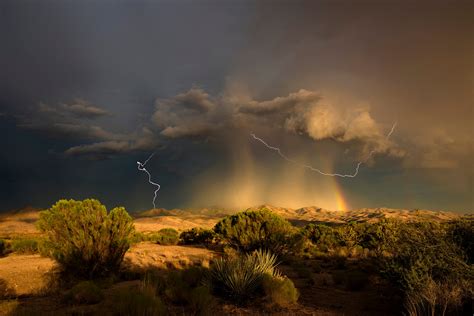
(340, 281)
(236, 157)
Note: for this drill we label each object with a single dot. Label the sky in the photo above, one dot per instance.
(88, 88)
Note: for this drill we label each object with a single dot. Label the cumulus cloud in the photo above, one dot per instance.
(195, 113)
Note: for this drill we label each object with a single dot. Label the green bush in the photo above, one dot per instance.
(379, 237)
(251, 230)
(137, 237)
(165, 236)
(424, 260)
(201, 301)
(351, 234)
(461, 233)
(84, 239)
(24, 245)
(241, 277)
(279, 291)
(185, 288)
(324, 237)
(142, 301)
(197, 236)
(85, 292)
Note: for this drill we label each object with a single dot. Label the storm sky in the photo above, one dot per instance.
(88, 88)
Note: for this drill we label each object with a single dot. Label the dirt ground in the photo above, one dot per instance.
(26, 276)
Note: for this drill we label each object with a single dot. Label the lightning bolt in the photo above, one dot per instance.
(353, 175)
(141, 167)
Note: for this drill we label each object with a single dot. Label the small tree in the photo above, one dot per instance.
(84, 239)
(251, 230)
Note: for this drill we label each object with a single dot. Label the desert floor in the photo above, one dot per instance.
(24, 278)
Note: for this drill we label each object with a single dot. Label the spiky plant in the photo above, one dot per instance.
(240, 277)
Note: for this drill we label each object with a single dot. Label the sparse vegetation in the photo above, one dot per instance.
(24, 245)
(142, 301)
(197, 236)
(279, 290)
(165, 236)
(251, 230)
(240, 277)
(188, 288)
(429, 268)
(425, 266)
(84, 239)
(85, 292)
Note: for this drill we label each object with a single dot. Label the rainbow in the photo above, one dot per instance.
(341, 203)
(338, 200)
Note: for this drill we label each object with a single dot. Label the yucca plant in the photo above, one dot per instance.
(240, 277)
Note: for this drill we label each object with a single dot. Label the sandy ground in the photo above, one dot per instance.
(19, 223)
(149, 255)
(149, 224)
(26, 275)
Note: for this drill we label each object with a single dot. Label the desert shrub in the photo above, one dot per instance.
(379, 237)
(197, 235)
(165, 236)
(201, 302)
(186, 288)
(324, 237)
(461, 233)
(85, 292)
(434, 299)
(175, 288)
(24, 245)
(240, 277)
(142, 301)
(252, 230)
(279, 290)
(424, 259)
(137, 237)
(84, 239)
(194, 276)
(351, 234)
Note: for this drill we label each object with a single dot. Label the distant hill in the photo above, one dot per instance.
(22, 221)
(370, 215)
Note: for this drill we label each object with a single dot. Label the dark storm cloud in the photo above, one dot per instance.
(67, 121)
(303, 112)
(143, 141)
(69, 130)
(316, 77)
